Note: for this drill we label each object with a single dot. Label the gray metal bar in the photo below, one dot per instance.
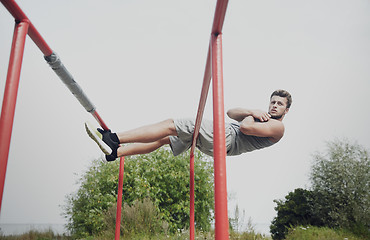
(58, 67)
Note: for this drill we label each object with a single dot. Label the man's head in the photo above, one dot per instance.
(280, 102)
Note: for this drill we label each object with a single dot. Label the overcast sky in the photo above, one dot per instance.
(143, 61)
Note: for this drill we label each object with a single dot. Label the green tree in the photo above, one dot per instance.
(159, 176)
(295, 210)
(340, 195)
(340, 179)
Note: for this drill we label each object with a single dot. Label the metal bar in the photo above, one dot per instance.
(218, 20)
(198, 121)
(58, 67)
(20, 16)
(10, 98)
(99, 120)
(192, 198)
(219, 17)
(219, 147)
(119, 198)
(203, 100)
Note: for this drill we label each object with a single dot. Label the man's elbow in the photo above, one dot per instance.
(230, 114)
(246, 129)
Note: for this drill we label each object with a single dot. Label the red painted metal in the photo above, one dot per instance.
(218, 20)
(198, 121)
(10, 98)
(20, 16)
(192, 198)
(219, 147)
(119, 198)
(203, 100)
(99, 120)
(11, 89)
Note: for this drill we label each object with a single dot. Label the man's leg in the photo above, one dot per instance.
(141, 148)
(149, 134)
(143, 140)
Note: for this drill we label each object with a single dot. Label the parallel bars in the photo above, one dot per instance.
(213, 68)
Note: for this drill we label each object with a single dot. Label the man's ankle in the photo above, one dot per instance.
(114, 137)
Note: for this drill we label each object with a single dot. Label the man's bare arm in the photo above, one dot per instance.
(272, 129)
(239, 114)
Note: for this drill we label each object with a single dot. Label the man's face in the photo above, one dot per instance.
(278, 107)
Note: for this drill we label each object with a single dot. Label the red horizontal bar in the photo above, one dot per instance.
(20, 16)
(219, 17)
(202, 101)
(218, 21)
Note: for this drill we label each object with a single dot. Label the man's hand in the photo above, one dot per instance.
(239, 114)
(261, 115)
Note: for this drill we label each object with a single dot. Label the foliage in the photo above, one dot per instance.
(140, 217)
(295, 210)
(97, 192)
(179, 235)
(158, 176)
(321, 233)
(340, 180)
(339, 198)
(35, 235)
(165, 180)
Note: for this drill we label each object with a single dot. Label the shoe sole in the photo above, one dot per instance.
(97, 137)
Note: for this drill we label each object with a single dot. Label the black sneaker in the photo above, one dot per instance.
(104, 140)
(111, 157)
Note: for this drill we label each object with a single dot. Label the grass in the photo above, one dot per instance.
(36, 235)
(298, 233)
(181, 235)
(322, 233)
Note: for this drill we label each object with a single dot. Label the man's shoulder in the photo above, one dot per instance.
(275, 122)
(278, 129)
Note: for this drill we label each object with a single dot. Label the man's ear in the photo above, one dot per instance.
(287, 110)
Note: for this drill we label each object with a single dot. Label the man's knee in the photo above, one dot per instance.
(164, 141)
(170, 123)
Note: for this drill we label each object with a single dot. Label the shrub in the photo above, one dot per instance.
(295, 210)
(339, 198)
(159, 176)
(142, 216)
(340, 181)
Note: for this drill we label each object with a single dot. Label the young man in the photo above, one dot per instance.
(255, 129)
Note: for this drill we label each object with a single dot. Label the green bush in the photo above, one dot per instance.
(159, 176)
(340, 196)
(340, 181)
(140, 217)
(295, 210)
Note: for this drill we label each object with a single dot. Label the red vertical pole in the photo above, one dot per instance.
(219, 148)
(192, 197)
(10, 98)
(119, 198)
(201, 106)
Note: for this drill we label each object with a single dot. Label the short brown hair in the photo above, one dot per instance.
(285, 94)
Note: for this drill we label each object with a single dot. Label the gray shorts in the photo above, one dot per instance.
(185, 129)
